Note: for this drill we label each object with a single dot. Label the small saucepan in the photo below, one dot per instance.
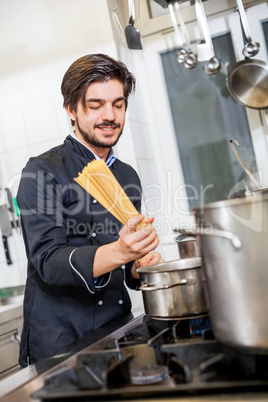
(173, 289)
(188, 246)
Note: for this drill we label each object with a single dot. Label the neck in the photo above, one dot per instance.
(102, 153)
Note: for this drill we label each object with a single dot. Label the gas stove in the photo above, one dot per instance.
(157, 358)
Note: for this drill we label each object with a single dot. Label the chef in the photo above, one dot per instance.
(79, 255)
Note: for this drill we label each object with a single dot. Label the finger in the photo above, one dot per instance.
(149, 220)
(147, 243)
(132, 223)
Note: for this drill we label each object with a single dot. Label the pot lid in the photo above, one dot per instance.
(183, 263)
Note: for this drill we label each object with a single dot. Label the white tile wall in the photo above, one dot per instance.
(35, 55)
(40, 121)
(13, 130)
(141, 139)
(32, 118)
(124, 149)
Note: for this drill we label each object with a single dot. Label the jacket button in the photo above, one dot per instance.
(120, 301)
(93, 234)
(94, 201)
(100, 302)
(123, 266)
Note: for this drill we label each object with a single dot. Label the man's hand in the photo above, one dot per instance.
(134, 244)
(149, 259)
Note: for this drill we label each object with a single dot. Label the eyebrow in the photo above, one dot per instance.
(98, 100)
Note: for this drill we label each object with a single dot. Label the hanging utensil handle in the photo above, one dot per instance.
(203, 24)
(175, 25)
(242, 163)
(183, 27)
(244, 20)
(131, 10)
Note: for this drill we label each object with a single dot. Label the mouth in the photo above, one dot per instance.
(108, 127)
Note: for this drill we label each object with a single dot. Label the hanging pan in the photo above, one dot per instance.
(248, 79)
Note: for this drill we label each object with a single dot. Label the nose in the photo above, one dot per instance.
(108, 112)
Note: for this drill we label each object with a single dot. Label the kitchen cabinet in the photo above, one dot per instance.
(11, 320)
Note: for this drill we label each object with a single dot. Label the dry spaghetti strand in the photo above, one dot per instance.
(97, 179)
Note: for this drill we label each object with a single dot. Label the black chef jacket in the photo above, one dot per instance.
(62, 227)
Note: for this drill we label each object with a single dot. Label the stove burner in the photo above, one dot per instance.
(161, 359)
(150, 374)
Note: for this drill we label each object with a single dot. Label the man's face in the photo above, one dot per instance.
(101, 124)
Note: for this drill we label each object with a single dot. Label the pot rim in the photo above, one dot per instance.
(257, 196)
(174, 265)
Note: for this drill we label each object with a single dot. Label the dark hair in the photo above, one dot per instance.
(93, 68)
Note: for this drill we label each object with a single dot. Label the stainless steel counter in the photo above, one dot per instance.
(21, 386)
(11, 310)
(11, 321)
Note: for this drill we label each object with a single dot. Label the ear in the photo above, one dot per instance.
(71, 113)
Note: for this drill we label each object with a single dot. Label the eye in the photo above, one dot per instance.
(119, 105)
(94, 105)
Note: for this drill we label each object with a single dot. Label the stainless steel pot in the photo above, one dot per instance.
(234, 235)
(173, 289)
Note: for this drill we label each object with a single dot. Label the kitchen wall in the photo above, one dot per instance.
(41, 39)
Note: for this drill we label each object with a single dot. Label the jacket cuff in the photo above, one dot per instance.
(81, 262)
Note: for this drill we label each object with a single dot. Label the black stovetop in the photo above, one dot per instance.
(157, 358)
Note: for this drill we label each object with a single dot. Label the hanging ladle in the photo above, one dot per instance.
(190, 60)
(242, 163)
(181, 54)
(213, 66)
(251, 48)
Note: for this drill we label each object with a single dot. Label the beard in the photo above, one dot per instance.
(93, 141)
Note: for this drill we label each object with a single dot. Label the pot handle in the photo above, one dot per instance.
(183, 236)
(189, 281)
(213, 232)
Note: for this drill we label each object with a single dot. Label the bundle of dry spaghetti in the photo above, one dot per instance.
(98, 180)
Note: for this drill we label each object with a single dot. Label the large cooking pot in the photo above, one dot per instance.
(173, 289)
(234, 246)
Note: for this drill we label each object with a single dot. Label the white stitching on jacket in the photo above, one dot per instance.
(78, 273)
(108, 280)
